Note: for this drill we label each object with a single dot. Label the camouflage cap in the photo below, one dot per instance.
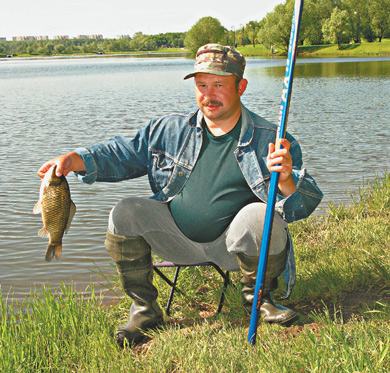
(218, 60)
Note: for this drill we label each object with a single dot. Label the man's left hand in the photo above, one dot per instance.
(281, 161)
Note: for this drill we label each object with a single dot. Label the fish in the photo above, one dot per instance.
(57, 210)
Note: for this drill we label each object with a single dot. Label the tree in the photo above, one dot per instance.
(359, 19)
(252, 28)
(336, 29)
(379, 14)
(276, 28)
(206, 30)
(59, 48)
(314, 14)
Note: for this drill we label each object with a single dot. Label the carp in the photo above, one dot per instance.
(57, 210)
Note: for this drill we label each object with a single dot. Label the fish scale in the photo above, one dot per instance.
(57, 210)
(56, 205)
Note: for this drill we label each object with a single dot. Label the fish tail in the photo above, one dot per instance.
(53, 250)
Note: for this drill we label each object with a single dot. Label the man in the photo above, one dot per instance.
(209, 171)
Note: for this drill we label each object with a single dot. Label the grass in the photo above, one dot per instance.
(363, 49)
(342, 295)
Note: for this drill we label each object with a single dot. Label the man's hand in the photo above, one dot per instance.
(65, 163)
(281, 161)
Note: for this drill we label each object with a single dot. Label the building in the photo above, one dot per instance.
(24, 38)
(60, 37)
(90, 37)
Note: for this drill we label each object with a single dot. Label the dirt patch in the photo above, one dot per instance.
(294, 331)
(350, 304)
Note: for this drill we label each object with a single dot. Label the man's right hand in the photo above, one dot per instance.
(65, 163)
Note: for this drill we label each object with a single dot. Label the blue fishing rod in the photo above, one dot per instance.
(273, 187)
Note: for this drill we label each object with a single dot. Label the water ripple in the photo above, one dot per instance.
(50, 107)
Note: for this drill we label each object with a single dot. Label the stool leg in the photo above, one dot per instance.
(173, 288)
(225, 284)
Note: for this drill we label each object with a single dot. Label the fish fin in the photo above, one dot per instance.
(53, 250)
(37, 208)
(43, 232)
(72, 211)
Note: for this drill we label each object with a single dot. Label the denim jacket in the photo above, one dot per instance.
(168, 148)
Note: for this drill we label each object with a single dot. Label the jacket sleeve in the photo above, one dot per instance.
(307, 196)
(115, 160)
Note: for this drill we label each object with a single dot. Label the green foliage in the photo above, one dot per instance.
(252, 28)
(313, 16)
(206, 30)
(139, 42)
(276, 28)
(337, 29)
(379, 12)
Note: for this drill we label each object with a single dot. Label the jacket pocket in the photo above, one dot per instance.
(162, 168)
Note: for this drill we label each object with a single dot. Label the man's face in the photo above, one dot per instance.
(217, 96)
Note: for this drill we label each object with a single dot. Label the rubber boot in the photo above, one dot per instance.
(269, 311)
(132, 256)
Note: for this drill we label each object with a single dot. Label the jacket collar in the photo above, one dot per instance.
(247, 125)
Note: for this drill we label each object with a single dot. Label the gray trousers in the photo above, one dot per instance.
(152, 220)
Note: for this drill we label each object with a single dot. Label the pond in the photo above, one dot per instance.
(339, 112)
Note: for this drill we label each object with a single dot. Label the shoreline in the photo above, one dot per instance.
(81, 56)
(362, 50)
(185, 55)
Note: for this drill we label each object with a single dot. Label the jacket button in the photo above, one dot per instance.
(181, 173)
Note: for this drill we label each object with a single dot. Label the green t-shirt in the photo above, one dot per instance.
(215, 191)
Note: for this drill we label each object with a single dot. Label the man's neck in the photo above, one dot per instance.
(223, 126)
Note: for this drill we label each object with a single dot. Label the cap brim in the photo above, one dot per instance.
(212, 72)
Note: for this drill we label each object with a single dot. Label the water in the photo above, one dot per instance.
(339, 112)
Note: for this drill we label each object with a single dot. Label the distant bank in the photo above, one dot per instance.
(363, 49)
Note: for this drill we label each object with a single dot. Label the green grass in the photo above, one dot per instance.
(327, 50)
(364, 49)
(342, 255)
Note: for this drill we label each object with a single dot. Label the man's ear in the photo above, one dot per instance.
(242, 86)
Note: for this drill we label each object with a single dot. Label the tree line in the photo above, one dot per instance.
(329, 21)
(138, 42)
(323, 21)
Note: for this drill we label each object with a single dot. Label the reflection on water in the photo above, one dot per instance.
(338, 112)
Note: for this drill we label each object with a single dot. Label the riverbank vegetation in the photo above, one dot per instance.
(342, 296)
(345, 23)
(363, 49)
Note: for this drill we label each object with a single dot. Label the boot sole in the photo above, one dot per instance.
(286, 322)
(123, 336)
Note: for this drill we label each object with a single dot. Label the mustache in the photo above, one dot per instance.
(207, 102)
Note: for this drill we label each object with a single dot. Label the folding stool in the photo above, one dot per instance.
(165, 264)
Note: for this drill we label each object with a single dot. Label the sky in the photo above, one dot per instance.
(122, 17)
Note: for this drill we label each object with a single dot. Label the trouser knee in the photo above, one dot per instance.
(126, 216)
(246, 231)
